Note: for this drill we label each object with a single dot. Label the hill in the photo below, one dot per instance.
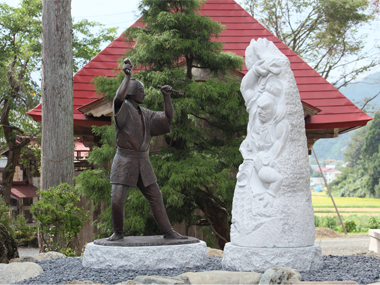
(357, 92)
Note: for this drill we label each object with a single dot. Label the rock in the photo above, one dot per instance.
(222, 277)
(162, 280)
(85, 282)
(48, 255)
(328, 283)
(145, 257)
(23, 259)
(8, 245)
(15, 272)
(280, 275)
(214, 252)
(129, 282)
(244, 258)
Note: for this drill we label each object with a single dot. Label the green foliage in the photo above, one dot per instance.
(18, 228)
(24, 232)
(59, 219)
(325, 33)
(374, 223)
(209, 125)
(5, 219)
(355, 146)
(317, 221)
(361, 178)
(350, 225)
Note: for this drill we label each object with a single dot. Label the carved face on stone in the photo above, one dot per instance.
(266, 108)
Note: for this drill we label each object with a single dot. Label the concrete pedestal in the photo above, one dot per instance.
(242, 258)
(145, 257)
(374, 240)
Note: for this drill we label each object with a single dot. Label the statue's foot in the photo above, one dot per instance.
(115, 236)
(174, 235)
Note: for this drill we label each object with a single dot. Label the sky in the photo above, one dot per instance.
(111, 13)
(122, 14)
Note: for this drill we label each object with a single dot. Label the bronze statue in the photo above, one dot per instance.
(131, 166)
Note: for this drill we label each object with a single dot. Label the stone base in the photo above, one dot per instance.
(374, 240)
(241, 258)
(145, 257)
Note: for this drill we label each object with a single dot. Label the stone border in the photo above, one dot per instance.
(145, 257)
(260, 259)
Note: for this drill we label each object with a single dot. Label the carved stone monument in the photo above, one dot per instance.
(272, 214)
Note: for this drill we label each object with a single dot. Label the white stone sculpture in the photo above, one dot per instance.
(272, 201)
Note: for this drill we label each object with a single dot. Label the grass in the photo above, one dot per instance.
(359, 224)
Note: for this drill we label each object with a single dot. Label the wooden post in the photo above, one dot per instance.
(57, 157)
(328, 188)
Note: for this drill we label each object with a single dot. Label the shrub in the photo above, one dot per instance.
(59, 219)
(350, 225)
(24, 232)
(317, 221)
(329, 222)
(374, 223)
(5, 219)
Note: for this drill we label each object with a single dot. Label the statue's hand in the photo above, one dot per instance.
(127, 68)
(266, 200)
(166, 90)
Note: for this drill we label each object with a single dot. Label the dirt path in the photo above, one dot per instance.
(346, 245)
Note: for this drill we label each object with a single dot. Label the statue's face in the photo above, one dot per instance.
(140, 95)
(266, 108)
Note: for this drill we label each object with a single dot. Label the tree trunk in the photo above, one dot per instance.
(9, 171)
(57, 159)
(216, 217)
(14, 151)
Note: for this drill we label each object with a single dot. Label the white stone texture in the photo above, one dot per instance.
(272, 201)
(222, 277)
(15, 272)
(260, 259)
(145, 257)
(374, 240)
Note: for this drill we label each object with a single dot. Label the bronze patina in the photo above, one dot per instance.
(131, 167)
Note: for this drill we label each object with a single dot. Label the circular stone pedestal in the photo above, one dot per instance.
(145, 257)
(260, 259)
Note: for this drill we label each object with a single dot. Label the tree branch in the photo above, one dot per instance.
(369, 100)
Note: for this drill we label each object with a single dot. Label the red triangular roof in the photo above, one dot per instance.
(336, 110)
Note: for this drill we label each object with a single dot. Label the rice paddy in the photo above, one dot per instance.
(323, 205)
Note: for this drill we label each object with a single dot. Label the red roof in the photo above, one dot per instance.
(336, 110)
(24, 191)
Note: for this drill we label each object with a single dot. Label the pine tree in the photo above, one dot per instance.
(198, 167)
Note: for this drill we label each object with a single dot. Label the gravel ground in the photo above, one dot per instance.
(345, 259)
(364, 270)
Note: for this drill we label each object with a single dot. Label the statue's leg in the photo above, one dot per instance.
(119, 192)
(153, 194)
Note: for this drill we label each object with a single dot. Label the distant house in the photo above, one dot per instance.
(329, 173)
(23, 191)
(26, 181)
